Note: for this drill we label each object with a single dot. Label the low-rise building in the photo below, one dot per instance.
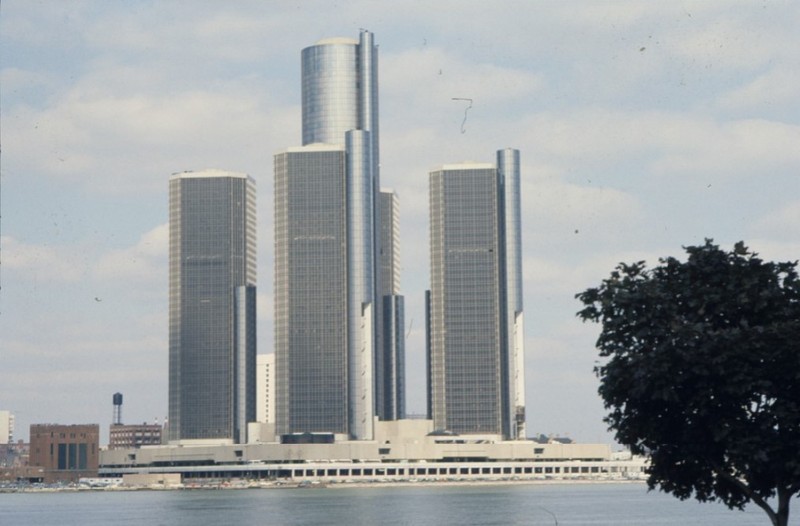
(402, 450)
(134, 436)
(65, 452)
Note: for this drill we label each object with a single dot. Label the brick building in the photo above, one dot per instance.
(134, 436)
(65, 452)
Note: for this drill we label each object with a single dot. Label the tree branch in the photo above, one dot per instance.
(744, 488)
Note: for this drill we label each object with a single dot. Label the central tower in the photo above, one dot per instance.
(328, 291)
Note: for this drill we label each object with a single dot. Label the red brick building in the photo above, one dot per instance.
(65, 452)
(134, 436)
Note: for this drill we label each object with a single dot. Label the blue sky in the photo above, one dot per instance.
(643, 127)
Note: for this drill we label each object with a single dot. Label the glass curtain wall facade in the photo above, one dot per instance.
(212, 279)
(339, 111)
(508, 171)
(390, 358)
(311, 290)
(474, 351)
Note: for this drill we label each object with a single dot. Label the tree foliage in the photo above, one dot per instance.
(702, 373)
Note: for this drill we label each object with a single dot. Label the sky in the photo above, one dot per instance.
(643, 127)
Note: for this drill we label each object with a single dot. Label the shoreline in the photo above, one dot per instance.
(278, 485)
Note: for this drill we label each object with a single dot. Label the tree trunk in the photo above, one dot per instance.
(782, 514)
(779, 516)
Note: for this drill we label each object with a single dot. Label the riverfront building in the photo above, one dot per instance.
(329, 296)
(403, 450)
(64, 452)
(212, 302)
(134, 436)
(475, 315)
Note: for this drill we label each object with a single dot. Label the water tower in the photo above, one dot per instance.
(117, 420)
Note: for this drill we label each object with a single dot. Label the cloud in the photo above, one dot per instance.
(558, 212)
(776, 89)
(44, 262)
(742, 148)
(17, 79)
(723, 41)
(145, 262)
(784, 220)
(120, 143)
(445, 76)
(664, 144)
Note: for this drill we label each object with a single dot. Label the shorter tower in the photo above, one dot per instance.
(474, 308)
(390, 375)
(212, 305)
(311, 290)
(265, 388)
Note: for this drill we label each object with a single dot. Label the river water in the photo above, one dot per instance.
(519, 504)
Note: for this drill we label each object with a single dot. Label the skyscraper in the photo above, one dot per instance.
(390, 380)
(328, 296)
(475, 316)
(212, 279)
(265, 388)
(311, 290)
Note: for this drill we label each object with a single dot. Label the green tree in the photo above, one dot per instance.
(702, 373)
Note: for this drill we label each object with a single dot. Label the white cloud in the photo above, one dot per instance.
(776, 88)
(723, 41)
(145, 262)
(554, 211)
(663, 143)
(127, 143)
(749, 148)
(17, 79)
(44, 262)
(784, 221)
(443, 76)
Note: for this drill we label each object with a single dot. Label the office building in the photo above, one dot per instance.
(134, 436)
(475, 313)
(310, 291)
(65, 452)
(6, 427)
(265, 388)
(212, 279)
(328, 295)
(390, 358)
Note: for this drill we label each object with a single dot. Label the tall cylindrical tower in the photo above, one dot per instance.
(340, 107)
(508, 167)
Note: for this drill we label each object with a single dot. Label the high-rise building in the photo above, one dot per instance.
(475, 315)
(212, 279)
(311, 291)
(390, 356)
(328, 296)
(265, 388)
(6, 427)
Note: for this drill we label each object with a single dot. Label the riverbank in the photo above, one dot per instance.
(279, 484)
